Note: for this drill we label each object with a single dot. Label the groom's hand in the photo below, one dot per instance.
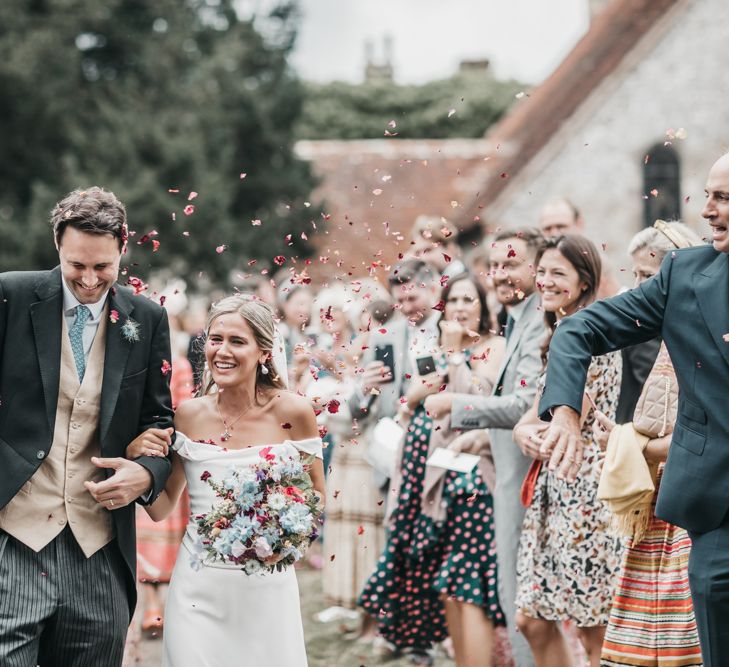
(129, 481)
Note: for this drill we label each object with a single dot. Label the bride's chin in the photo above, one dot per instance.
(224, 380)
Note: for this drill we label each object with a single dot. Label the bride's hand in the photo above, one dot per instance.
(153, 442)
(272, 560)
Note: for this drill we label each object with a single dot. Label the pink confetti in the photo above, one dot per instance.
(166, 367)
(191, 196)
(136, 284)
(189, 209)
(221, 249)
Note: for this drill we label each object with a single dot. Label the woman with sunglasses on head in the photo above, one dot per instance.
(652, 620)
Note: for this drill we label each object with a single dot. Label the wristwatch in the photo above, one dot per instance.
(457, 358)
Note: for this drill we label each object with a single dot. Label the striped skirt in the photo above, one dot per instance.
(652, 619)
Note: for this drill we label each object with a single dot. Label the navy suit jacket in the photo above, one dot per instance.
(135, 393)
(687, 304)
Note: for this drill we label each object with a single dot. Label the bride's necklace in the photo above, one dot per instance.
(228, 426)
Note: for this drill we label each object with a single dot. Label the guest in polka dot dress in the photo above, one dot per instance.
(459, 506)
(399, 594)
(438, 563)
(569, 558)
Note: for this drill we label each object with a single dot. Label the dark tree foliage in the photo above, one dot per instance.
(144, 98)
(363, 111)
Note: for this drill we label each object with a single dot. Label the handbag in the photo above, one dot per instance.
(657, 407)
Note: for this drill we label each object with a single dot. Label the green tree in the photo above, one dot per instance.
(463, 106)
(153, 100)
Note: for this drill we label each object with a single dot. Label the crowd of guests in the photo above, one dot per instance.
(491, 558)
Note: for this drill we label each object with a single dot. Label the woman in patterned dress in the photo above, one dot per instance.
(424, 564)
(568, 558)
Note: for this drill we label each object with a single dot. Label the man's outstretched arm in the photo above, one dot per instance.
(605, 326)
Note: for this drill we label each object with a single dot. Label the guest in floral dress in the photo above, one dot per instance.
(439, 561)
(568, 557)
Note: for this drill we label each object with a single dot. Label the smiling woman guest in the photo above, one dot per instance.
(568, 558)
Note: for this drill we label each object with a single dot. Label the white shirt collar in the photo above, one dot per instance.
(70, 302)
(517, 310)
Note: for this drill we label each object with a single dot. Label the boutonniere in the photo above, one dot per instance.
(130, 331)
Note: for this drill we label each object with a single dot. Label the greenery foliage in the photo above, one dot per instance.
(144, 98)
(462, 106)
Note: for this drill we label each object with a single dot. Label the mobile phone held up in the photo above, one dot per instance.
(425, 365)
(385, 353)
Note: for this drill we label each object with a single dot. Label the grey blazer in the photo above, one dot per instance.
(515, 388)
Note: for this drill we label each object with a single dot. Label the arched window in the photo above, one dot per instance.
(661, 185)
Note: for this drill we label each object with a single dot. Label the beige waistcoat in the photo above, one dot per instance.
(55, 495)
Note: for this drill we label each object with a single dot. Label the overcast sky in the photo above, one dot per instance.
(524, 39)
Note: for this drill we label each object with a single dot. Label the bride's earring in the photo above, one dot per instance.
(264, 369)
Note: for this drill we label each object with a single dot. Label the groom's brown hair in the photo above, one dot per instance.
(92, 210)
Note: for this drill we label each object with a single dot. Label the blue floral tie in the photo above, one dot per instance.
(76, 334)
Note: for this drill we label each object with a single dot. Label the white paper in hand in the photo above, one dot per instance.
(445, 458)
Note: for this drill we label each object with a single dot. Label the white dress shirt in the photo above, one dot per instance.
(70, 303)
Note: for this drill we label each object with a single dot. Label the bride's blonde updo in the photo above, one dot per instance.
(259, 317)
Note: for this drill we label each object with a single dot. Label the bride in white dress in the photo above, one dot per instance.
(215, 613)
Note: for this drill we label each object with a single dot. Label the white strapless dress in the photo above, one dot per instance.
(215, 614)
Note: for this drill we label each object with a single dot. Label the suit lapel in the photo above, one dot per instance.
(513, 343)
(712, 294)
(46, 316)
(115, 360)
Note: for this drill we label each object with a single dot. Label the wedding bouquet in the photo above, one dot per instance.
(267, 515)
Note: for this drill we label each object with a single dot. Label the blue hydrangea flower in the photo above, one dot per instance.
(296, 519)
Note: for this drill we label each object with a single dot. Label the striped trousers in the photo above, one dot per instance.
(59, 608)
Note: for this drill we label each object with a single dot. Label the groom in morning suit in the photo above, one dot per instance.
(80, 377)
(687, 303)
